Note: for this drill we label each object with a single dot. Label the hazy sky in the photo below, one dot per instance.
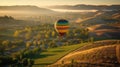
(57, 2)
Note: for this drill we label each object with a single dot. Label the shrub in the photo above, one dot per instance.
(4, 60)
(25, 62)
(30, 62)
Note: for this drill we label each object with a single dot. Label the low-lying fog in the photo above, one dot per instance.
(68, 10)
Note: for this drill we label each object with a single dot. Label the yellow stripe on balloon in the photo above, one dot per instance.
(62, 26)
(61, 31)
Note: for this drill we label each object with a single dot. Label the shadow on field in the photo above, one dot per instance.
(59, 51)
(42, 56)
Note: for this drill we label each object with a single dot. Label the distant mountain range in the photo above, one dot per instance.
(26, 9)
(87, 7)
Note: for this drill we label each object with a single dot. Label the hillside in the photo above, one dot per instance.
(87, 7)
(98, 55)
(24, 10)
(98, 44)
(102, 17)
(116, 16)
(102, 26)
(11, 22)
(104, 30)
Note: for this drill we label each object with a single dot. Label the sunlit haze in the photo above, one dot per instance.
(57, 2)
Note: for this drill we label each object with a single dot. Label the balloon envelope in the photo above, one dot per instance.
(62, 27)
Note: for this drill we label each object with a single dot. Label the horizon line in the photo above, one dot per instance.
(64, 5)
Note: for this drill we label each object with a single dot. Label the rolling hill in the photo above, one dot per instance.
(10, 22)
(102, 17)
(104, 24)
(24, 10)
(116, 16)
(101, 53)
(87, 7)
(104, 30)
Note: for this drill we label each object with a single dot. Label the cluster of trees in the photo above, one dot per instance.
(7, 45)
(43, 36)
(13, 62)
(30, 41)
(6, 17)
(52, 18)
(46, 34)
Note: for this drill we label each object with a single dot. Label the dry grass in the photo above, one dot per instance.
(102, 26)
(105, 54)
(100, 53)
(98, 44)
(116, 16)
(118, 52)
(104, 30)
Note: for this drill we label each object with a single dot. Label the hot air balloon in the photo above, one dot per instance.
(62, 26)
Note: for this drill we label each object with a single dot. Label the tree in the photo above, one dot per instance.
(46, 35)
(53, 33)
(6, 43)
(39, 42)
(16, 33)
(36, 50)
(81, 41)
(30, 62)
(35, 43)
(25, 62)
(2, 50)
(27, 36)
(6, 60)
(38, 36)
(91, 39)
(15, 60)
(28, 29)
(28, 44)
(43, 44)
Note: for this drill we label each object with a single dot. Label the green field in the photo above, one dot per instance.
(51, 55)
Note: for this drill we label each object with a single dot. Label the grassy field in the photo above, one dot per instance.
(98, 44)
(101, 53)
(51, 55)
